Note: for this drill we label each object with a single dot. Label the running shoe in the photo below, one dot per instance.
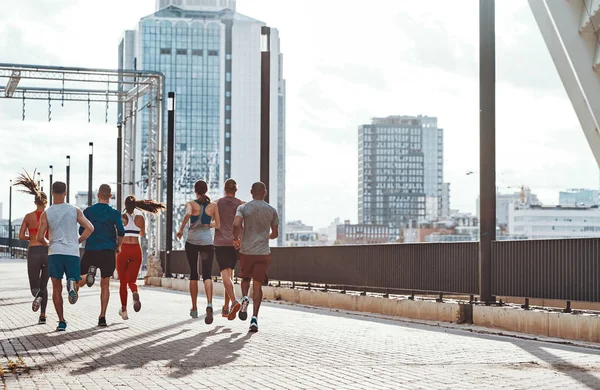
(62, 326)
(73, 291)
(137, 305)
(243, 315)
(123, 314)
(194, 313)
(234, 309)
(42, 320)
(224, 312)
(91, 276)
(102, 321)
(253, 325)
(37, 302)
(209, 315)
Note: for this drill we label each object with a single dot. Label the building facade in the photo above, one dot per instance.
(540, 222)
(211, 58)
(578, 197)
(505, 201)
(391, 172)
(362, 234)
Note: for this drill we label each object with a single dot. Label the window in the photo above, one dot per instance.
(197, 52)
(213, 52)
(165, 51)
(181, 52)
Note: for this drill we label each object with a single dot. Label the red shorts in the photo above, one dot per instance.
(255, 266)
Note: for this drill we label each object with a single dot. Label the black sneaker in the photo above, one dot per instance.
(253, 325)
(42, 320)
(91, 276)
(209, 315)
(243, 314)
(102, 321)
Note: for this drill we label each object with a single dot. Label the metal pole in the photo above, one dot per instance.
(265, 107)
(119, 167)
(90, 173)
(10, 219)
(68, 178)
(170, 170)
(487, 145)
(50, 191)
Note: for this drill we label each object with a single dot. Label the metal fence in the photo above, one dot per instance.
(432, 268)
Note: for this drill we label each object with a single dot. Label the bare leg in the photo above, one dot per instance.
(256, 296)
(228, 284)
(57, 298)
(104, 295)
(82, 282)
(194, 294)
(208, 288)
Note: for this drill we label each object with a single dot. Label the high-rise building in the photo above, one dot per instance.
(391, 172)
(578, 197)
(445, 212)
(211, 58)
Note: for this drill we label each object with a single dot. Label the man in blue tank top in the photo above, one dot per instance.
(61, 220)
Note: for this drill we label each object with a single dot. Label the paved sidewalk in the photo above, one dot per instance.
(296, 348)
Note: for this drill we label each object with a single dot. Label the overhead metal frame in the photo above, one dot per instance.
(123, 87)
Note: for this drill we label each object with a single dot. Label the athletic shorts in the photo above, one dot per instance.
(206, 254)
(104, 259)
(227, 257)
(255, 267)
(59, 265)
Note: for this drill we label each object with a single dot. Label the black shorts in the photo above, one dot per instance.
(206, 253)
(104, 259)
(227, 257)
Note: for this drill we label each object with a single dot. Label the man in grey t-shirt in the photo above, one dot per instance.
(261, 224)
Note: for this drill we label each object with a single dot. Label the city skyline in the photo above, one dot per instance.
(332, 88)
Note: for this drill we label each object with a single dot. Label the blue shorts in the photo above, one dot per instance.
(58, 265)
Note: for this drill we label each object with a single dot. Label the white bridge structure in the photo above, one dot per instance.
(571, 31)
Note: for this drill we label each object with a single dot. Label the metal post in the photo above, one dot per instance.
(50, 190)
(90, 173)
(119, 166)
(170, 168)
(487, 145)
(39, 180)
(68, 178)
(265, 106)
(10, 218)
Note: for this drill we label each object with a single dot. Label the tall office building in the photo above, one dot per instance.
(211, 58)
(391, 172)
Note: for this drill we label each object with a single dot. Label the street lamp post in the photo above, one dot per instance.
(265, 106)
(68, 177)
(10, 219)
(39, 181)
(171, 107)
(90, 173)
(50, 191)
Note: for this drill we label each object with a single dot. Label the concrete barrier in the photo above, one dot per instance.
(510, 318)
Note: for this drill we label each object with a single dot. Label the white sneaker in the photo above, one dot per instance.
(123, 314)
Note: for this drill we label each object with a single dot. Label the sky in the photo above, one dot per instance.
(345, 62)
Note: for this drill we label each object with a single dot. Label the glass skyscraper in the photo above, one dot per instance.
(210, 56)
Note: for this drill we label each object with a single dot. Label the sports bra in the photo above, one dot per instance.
(205, 219)
(131, 229)
(34, 231)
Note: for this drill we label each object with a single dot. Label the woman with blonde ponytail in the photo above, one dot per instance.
(37, 252)
(129, 260)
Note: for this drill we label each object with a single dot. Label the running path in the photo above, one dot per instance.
(304, 348)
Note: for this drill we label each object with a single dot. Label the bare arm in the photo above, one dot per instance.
(216, 218)
(237, 228)
(274, 232)
(22, 235)
(143, 227)
(186, 218)
(88, 228)
(42, 229)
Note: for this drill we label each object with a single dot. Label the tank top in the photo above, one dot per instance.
(131, 229)
(198, 233)
(62, 224)
(227, 209)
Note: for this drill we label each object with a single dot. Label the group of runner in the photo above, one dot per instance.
(112, 242)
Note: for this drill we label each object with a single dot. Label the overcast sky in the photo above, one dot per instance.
(345, 62)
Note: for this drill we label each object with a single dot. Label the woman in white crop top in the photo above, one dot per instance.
(129, 260)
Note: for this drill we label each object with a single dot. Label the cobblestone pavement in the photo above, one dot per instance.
(300, 348)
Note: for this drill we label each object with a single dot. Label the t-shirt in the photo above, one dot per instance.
(258, 218)
(107, 223)
(227, 209)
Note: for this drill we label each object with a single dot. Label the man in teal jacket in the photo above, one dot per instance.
(102, 246)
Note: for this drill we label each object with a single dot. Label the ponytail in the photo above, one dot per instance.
(29, 186)
(150, 206)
